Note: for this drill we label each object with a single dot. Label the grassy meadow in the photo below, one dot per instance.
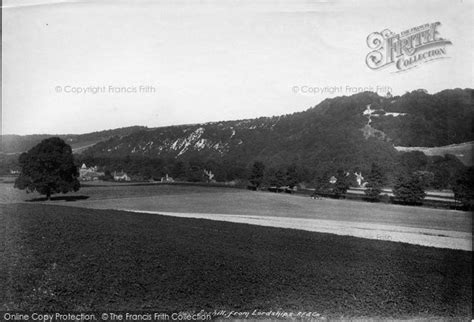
(223, 200)
(63, 258)
(92, 256)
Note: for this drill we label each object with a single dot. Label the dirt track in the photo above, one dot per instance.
(418, 236)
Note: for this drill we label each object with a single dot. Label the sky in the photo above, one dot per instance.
(87, 65)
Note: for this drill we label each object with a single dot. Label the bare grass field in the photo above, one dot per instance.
(81, 252)
(417, 225)
(62, 258)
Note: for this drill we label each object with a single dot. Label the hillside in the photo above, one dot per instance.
(349, 132)
(330, 133)
(462, 151)
(12, 144)
(418, 119)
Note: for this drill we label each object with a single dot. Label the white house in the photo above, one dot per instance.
(121, 176)
(167, 179)
(89, 174)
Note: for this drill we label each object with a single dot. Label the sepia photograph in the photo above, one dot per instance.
(236, 160)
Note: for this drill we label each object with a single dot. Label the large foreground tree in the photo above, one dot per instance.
(48, 168)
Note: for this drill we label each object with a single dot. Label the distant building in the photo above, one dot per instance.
(89, 174)
(121, 176)
(360, 179)
(167, 178)
(286, 189)
(209, 175)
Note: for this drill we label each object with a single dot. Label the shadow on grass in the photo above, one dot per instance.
(60, 198)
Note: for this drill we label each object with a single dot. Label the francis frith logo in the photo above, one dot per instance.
(407, 49)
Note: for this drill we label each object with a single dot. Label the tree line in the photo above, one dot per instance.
(51, 168)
